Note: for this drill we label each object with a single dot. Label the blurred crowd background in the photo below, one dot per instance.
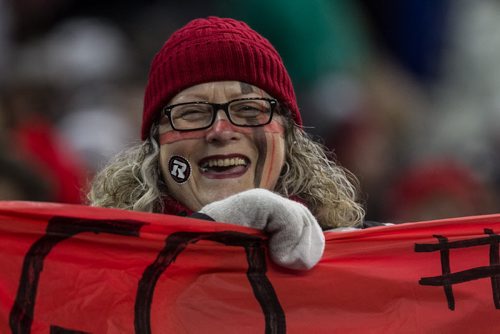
(405, 92)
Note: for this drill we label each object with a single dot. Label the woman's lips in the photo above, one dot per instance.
(224, 166)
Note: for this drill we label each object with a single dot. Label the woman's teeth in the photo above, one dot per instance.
(230, 162)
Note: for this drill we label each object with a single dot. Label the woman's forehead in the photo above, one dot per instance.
(224, 89)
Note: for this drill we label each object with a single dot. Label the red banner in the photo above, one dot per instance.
(75, 269)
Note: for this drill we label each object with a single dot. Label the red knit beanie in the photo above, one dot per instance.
(215, 49)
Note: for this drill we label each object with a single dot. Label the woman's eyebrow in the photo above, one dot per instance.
(190, 97)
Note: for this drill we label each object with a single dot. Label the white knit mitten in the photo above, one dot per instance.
(296, 239)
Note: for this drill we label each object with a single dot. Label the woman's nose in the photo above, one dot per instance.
(222, 130)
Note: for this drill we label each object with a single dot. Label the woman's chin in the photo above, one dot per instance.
(222, 194)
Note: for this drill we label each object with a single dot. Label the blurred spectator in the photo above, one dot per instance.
(374, 135)
(90, 63)
(82, 66)
(30, 136)
(80, 52)
(467, 104)
(434, 190)
(98, 123)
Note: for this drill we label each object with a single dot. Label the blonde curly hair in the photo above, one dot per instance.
(133, 180)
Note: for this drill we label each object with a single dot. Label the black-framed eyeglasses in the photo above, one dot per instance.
(246, 112)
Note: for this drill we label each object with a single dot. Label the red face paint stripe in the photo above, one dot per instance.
(172, 136)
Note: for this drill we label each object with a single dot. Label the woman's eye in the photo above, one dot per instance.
(192, 113)
(249, 109)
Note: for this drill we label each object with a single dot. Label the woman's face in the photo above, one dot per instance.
(203, 166)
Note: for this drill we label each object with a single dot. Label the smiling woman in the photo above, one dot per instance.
(222, 135)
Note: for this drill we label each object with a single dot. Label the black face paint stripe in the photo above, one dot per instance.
(246, 88)
(261, 142)
(260, 139)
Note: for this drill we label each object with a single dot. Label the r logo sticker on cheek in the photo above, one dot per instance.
(179, 169)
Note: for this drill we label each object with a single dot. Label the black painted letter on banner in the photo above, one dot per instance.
(58, 229)
(447, 278)
(177, 242)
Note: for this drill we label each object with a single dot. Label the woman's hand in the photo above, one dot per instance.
(296, 239)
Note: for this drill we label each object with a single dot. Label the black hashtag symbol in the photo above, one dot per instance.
(447, 279)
